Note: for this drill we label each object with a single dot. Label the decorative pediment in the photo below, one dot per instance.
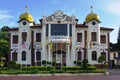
(58, 16)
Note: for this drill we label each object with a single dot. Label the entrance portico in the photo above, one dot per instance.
(59, 57)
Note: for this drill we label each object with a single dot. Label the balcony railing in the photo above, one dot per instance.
(59, 39)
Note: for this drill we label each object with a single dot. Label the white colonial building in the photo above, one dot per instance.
(59, 38)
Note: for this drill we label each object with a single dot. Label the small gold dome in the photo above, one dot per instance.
(27, 16)
(91, 16)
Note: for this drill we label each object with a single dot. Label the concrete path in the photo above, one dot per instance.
(114, 74)
(113, 71)
(78, 77)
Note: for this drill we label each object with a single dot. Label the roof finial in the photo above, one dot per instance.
(26, 9)
(91, 9)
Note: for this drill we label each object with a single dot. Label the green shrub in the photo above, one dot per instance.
(99, 71)
(27, 71)
(56, 71)
(39, 68)
(4, 68)
(65, 68)
(44, 62)
(13, 65)
(64, 64)
(78, 62)
(53, 63)
(53, 71)
(71, 71)
(91, 68)
(9, 71)
(85, 64)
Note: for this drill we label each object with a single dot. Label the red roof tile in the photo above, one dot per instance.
(104, 28)
(13, 29)
(36, 26)
(101, 28)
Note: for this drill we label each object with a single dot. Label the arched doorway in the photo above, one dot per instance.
(14, 56)
(94, 55)
(38, 58)
(79, 55)
(103, 54)
(59, 57)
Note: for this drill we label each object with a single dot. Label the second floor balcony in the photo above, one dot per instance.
(58, 39)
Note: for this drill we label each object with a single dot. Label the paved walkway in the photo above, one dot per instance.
(113, 71)
(114, 74)
(78, 77)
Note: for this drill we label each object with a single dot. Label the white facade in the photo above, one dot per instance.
(62, 40)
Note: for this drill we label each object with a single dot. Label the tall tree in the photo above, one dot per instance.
(118, 38)
(118, 41)
(4, 28)
(4, 42)
(116, 46)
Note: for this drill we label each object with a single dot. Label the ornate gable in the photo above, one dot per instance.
(59, 16)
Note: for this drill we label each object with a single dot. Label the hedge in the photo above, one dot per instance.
(57, 71)
(74, 68)
(91, 68)
(40, 68)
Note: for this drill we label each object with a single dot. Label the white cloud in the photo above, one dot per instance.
(71, 12)
(6, 19)
(113, 7)
(12, 24)
(4, 15)
(8, 23)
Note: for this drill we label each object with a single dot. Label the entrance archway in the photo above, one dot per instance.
(59, 57)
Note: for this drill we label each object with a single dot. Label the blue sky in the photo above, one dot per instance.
(108, 11)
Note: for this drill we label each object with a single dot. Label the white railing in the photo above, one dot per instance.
(59, 39)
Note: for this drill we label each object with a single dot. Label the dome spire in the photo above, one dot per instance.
(91, 16)
(26, 9)
(91, 9)
(27, 16)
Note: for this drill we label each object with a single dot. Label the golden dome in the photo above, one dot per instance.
(27, 16)
(92, 16)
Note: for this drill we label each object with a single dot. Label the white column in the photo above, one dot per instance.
(68, 29)
(98, 35)
(73, 43)
(11, 56)
(82, 54)
(35, 57)
(49, 25)
(68, 50)
(106, 55)
(76, 56)
(44, 42)
(49, 51)
(20, 60)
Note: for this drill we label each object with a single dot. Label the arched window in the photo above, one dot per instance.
(23, 56)
(14, 56)
(38, 55)
(103, 54)
(79, 55)
(94, 55)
